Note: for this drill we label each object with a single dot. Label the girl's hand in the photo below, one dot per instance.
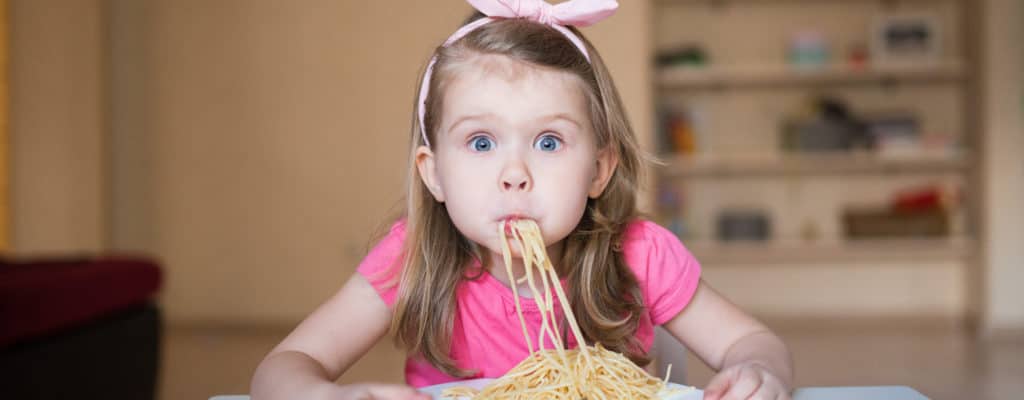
(378, 391)
(749, 380)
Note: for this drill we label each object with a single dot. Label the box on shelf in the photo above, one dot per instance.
(744, 225)
(828, 126)
(888, 223)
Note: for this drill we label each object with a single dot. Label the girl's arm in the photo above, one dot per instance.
(307, 362)
(749, 357)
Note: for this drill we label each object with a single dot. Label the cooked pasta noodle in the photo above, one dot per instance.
(586, 372)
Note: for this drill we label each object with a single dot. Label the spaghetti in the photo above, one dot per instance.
(586, 372)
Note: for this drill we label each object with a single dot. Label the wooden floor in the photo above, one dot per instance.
(942, 363)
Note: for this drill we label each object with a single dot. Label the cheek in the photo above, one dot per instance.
(464, 187)
(569, 177)
(565, 191)
(568, 185)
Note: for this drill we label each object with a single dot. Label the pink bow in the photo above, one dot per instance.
(578, 13)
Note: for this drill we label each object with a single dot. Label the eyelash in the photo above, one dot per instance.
(475, 140)
(558, 141)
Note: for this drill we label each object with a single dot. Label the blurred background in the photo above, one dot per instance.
(183, 181)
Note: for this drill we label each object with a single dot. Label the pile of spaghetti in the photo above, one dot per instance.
(587, 372)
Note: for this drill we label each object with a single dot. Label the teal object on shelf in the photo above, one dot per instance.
(808, 49)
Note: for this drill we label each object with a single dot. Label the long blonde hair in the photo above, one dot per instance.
(602, 290)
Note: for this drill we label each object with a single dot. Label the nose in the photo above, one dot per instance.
(516, 177)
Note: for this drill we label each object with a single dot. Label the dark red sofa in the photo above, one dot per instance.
(79, 328)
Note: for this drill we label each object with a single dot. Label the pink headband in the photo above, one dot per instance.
(578, 13)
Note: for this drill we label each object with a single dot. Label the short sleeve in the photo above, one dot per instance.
(667, 273)
(382, 266)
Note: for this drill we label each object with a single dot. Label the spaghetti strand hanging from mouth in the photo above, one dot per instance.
(586, 372)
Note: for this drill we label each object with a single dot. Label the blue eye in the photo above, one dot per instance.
(481, 143)
(548, 143)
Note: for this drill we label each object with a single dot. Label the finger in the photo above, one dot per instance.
(781, 391)
(719, 384)
(772, 388)
(782, 395)
(746, 384)
(395, 392)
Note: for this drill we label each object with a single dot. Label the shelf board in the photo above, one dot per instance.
(811, 164)
(841, 252)
(687, 77)
(723, 2)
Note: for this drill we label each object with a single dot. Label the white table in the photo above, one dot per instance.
(809, 393)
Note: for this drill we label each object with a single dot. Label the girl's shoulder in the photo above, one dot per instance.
(646, 244)
(381, 266)
(387, 245)
(640, 234)
(668, 274)
(397, 228)
(394, 235)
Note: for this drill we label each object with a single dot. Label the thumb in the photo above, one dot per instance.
(395, 392)
(718, 386)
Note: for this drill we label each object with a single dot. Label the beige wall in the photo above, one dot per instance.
(5, 205)
(1003, 90)
(56, 126)
(257, 145)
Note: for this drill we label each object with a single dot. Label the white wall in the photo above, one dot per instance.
(1004, 166)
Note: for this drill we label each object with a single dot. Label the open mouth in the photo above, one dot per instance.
(508, 220)
(509, 223)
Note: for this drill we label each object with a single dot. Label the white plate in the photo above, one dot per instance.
(435, 391)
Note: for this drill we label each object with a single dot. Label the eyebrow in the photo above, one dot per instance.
(470, 118)
(488, 115)
(564, 117)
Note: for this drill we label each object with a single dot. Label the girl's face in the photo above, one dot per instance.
(514, 141)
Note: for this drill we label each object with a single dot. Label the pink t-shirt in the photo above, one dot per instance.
(487, 335)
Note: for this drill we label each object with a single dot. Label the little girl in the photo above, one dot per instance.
(518, 118)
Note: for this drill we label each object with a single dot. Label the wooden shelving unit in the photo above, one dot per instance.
(686, 77)
(811, 165)
(744, 82)
(851, 251)
(730, 2)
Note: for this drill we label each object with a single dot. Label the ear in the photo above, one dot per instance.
(428, 172)
(607, 160)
